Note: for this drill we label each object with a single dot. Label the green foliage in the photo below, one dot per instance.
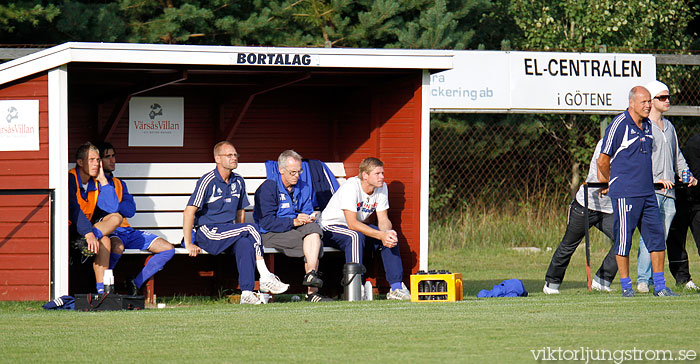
(23, 17)
(428, 24)
(90, 22)
(441, 24)
(581, 25)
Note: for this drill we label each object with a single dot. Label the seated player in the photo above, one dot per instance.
(344, 222)
(127, 237)
(284, 214)
(214, 221)
(92, 208)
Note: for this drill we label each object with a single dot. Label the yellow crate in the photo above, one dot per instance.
(453, 293)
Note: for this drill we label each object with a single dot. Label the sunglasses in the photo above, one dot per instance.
(663, 98)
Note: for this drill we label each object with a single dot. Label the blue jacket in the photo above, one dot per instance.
(127, 206)
(275, 210)
(507, 288)
(317, 175)
(323, 183)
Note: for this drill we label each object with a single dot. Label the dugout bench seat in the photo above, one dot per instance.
(161, 192)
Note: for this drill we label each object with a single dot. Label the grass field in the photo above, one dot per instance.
(496, 330)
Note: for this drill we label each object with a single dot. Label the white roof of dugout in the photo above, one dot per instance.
(223, 56)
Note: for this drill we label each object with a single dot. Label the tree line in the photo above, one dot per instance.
(572, 25)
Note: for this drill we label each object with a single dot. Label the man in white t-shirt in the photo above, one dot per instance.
(344, 221)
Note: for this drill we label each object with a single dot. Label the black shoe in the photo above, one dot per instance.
(131, 288)
(81, 246)
(313, 279)
(317, 297)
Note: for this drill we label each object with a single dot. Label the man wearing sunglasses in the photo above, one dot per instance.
(625, 163)
(667, 162)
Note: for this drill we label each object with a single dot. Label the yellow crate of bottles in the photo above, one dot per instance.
(436, 286)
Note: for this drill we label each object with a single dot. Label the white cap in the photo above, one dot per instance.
(655, 88)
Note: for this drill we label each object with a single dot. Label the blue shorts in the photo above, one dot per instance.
(637, 212)
(134, 239)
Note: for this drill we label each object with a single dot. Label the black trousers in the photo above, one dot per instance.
(575, 232)
(687, 215)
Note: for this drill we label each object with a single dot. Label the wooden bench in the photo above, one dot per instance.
(161, 192)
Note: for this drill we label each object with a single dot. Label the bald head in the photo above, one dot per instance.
(640, 103)
(638, 91)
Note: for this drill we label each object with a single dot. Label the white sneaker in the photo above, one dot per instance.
(273, 285)
(367, 291)
(548, 290)
(642, 287)
(399, 294)
(250, 298)
(691, 286)
(599, 287)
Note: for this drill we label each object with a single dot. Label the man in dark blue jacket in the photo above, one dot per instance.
(285, 216)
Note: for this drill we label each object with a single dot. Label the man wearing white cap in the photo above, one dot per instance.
(667, 163)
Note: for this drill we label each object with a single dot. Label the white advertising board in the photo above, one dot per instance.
(156, 121)
(540, 81)
(479, 80)
(19, 127)
(577, 81)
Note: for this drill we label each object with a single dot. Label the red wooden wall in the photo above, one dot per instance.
(24, 220)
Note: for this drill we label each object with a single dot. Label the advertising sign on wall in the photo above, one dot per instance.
(542, 81)
(479, 80)
(577, 81)
(19, 126)
(156, 121)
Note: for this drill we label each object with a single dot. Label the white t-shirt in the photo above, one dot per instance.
(351, 197)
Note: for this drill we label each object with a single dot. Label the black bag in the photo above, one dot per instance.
(108, 302)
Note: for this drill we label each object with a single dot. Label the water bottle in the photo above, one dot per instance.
(352, 281)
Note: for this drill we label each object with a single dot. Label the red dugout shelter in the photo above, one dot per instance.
(338, 105)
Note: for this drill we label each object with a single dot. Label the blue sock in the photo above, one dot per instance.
(156, 263)
(396, 285)
(100, 287)
(626, 283)
(113, 259)
(659, 281)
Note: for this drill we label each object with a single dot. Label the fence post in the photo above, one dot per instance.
(604, 125)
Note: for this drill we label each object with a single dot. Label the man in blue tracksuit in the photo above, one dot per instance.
(625, 163)
(285, 216)
(214, 220)
(127, 237)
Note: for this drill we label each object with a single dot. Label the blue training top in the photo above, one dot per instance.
(629, 148)
(218, 201)
(275, 208)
